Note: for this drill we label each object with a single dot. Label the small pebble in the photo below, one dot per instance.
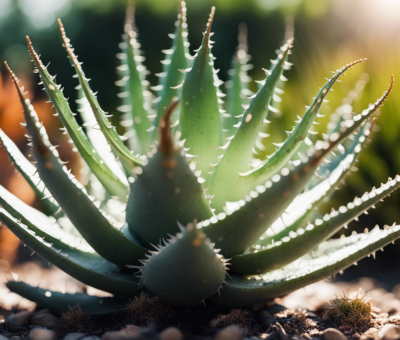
(74, 336)
(230, 333)
(171, 333)
(92, 337)
(18, 320)
(389, 332)
(334, 334)
(2, 337)
(281, 332)
(130, 332)
(44, 320)
(42, 334)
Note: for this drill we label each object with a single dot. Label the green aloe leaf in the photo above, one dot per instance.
(129, 160)
(108, 241)
(303, 208)
(245, 291)
(58, 302)
(42, 225)
(199, 119)
(263, 206)
(238, 153)
(175, 63)
(136, 96)
(28, 170)
(109, 180)
(280, 158)
(97, 138)
(280, 253)
(89, 268)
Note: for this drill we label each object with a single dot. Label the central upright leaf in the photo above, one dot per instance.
(200, 120)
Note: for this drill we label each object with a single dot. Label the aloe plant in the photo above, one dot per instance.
(145, 221)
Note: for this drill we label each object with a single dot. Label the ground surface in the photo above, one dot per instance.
(299, 315)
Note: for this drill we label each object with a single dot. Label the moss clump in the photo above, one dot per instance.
(351, 311)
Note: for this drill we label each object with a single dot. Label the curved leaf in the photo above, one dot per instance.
(292, 143)
(246, 291)
(88, 268)
(303, 208)
(173, 66)
(28, 170)
(280, 253)
(263, 207)
(126, 157)
(107, 178)
(238, 153)
(58, 302)
(108, 241)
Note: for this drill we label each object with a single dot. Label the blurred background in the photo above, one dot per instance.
(328, 35)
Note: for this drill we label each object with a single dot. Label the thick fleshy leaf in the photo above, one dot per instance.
(58, 302)
(185, 270)
(136, 96)
(238, 153)
(290, 248)
(42, 225)
(110, 181)
(199, 118)
(127, 158)
(88, 268)
(108, 241)
(28, 170)
(175, 63)
(165, 193)
(263, 207)
(246, 291)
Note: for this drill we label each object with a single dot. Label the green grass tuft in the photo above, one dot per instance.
(351, 311)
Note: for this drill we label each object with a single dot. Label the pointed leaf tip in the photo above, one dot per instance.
(166, 143)
(283, 56)
(130, 17)
(183, 12)
(30, 117)
(12, 74)
(384, 97)
(68, 46)
(209, 23)
(242, 40)
(33, 52)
